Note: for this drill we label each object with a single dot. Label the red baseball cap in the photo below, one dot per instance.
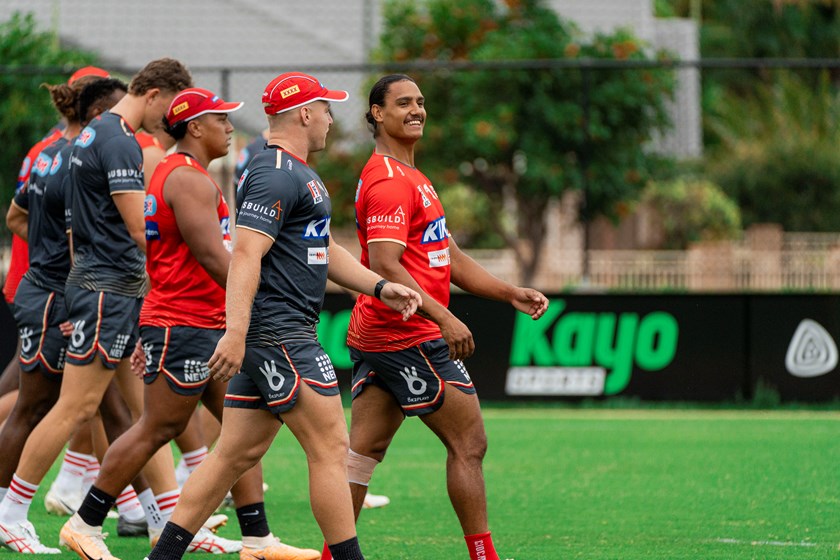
(194, 102)
(294, 89)
(87, 71)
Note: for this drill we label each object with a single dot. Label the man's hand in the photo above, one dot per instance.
(400, 298)
(138, 360)
(458, 337)
(226, 361)
(530, 302)
(66, 328)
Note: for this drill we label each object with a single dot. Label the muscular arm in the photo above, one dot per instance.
(17, 220)
(473, 278)
(194, 199)
(242, 283)
(130, 206)
(349, 273)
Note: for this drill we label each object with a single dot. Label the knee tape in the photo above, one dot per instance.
(360, 468)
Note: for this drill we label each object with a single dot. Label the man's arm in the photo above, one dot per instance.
(194, 199)
(473, 278)
(17, 220)
(242, 283)
(349, 273)
(385, 260)
(130, 206)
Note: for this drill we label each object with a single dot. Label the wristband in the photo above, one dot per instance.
(377, 291)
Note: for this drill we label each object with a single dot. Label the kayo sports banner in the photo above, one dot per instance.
(668, 347)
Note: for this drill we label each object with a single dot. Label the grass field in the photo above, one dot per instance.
(590, 484)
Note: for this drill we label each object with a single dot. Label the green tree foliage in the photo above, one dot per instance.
(692, 210)
(26, 113)
(778, 154)
(519, 134)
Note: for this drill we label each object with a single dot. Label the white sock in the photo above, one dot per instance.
(16, 502)
(166, 502)
(71, 476)
(129, 506)
(188, 463)
(151, 509)
(3, 492)
(91, 472)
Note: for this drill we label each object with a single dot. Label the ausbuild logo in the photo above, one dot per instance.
(587, 353)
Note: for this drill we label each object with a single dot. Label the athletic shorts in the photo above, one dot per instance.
(415, 376)
(180, 354)
(38, 314)
(104, 324)
(270, 378)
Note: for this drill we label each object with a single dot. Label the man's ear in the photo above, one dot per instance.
(151, 94)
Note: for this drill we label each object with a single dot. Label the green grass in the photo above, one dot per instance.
(591, 484)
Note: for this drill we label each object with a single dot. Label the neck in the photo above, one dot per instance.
(294, 144)
(72, 130)
(131, 108)
(388, 146)
(194, 150)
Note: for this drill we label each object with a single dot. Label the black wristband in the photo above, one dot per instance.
(377, 291)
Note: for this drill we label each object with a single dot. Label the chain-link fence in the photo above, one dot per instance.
(762, 97)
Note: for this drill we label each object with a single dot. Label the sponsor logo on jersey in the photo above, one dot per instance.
(56, 164)
(42, 165)
(86, 137)
(314, 191)
(241, 180)
(317, 229)
(261, 211)
(439, 258)
(426, 201)
(150, 205)
(397, 217)
(125, 174)
(358, 188)
(23, 173)
(435, 231)
(152, 231)
(317, 255)
(224, 225)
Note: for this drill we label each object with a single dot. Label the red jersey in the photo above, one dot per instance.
(19, 260)
(397, 203)
(183, 293)
(147, 140)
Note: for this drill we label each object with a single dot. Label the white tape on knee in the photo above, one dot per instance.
(360, 468)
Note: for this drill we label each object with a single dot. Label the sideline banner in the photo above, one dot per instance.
(689, 347)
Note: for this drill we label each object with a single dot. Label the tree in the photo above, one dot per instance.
(26, 113)
(522, 135)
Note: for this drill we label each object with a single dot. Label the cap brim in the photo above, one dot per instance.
(335, 95)
(226, 107)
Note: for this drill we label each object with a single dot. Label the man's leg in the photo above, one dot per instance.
(459, 426)
(318, 424)
(375, 418)
(37, 395)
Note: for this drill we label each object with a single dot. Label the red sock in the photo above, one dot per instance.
(481, 547)
(325, 554)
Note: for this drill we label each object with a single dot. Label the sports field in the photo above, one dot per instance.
(591, 484)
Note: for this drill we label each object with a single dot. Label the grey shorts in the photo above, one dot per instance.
(104, 324)
(180, 354)
(38, 314)
(416, 376)
(270, 378)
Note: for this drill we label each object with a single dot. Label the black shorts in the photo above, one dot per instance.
(180, 354)
(38, 314)
(271, 377)
(415, 376)
(104, 324)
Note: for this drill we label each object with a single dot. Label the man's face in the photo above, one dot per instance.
(321, 119)
(403, 114)
(216, 130)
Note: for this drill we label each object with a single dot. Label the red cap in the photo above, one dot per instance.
(293, 89)
(87, 71)
(194, 102)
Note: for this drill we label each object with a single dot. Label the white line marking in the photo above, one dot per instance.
(767, 543)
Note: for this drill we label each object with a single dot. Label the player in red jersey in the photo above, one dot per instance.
(183, 317)
(414, 367)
